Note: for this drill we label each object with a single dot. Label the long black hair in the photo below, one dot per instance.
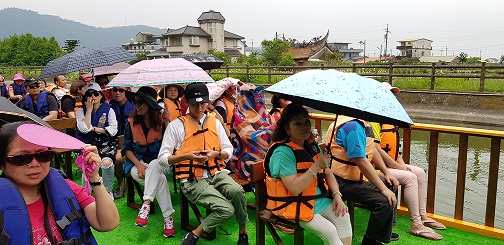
(288, 113)
(153, 115)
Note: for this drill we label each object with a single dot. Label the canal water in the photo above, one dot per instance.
(478, 158)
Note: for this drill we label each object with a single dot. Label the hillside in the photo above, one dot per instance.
(20, 21)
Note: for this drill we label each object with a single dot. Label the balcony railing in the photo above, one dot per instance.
(457, 220)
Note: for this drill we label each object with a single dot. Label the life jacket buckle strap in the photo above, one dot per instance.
(67, 219)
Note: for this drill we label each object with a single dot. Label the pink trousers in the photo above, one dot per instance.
(414, 183)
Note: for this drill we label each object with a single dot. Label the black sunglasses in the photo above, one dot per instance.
(120, 90)
(34, 86)
(23, 159)
(89, 93)
(138, 102)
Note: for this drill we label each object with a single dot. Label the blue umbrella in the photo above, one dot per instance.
(11, 113)
(85, 59)
(344, 94)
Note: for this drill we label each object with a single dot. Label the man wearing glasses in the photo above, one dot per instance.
(122, 108)
(41, 103)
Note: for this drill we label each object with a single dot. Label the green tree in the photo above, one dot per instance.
(274, 50)
(221, 55)
(286, 60)
(27, 50)
(333, 58)
(141, 56)
(71, 45)
(501, 61)
(473, 60)
(462, 57)
(250, 60)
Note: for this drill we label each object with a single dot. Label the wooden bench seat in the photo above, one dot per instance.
(63, 124)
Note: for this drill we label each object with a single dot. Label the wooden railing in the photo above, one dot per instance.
(389, 72)
(463, 133)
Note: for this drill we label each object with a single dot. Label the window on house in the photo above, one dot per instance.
(194, 40)
(212, 27)
(235, 43)
(167, 42)
(178, 41)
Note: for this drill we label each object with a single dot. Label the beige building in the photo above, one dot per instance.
(145, 42)
(414, 48)
(210, 34)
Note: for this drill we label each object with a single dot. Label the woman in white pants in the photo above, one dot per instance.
(142, 141)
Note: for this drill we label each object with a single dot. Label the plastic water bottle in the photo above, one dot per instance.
(103, 119)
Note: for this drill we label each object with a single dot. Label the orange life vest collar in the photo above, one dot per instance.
(140, 137)
(341, 164)
(280, 201)
(173, 108)
(198, 138)
(390, 140)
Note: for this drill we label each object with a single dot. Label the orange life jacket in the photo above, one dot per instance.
(229, 111)
(280, 201)
(389, 140)
(173, 108)
(139, 136)
(198, 138)
(341, 164)
(78, 103)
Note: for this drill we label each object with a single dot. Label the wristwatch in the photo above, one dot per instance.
(100, 182)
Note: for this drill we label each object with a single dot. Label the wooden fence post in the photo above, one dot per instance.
(227, 70)
(390, 72)
(269, 74)
(482, 77)
(354, 68)
(247, 74)
(433, 76)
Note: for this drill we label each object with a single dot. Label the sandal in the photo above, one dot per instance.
(428, 233)
(434, 224)
(119, 193)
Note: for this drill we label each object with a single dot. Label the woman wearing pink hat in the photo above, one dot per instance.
(16, 89)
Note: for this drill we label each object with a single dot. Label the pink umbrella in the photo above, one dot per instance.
(108, 70)
(159, 72)
(217, 89)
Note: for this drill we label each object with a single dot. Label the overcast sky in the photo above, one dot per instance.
(470, 26)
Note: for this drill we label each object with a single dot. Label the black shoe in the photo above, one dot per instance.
(119, 193)
(189, 239)
(394, 237)
(370, 241)
(243, 239)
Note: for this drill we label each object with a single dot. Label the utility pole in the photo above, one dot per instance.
(386, 41)
(480, 54)
(446, 53)
(364, 43)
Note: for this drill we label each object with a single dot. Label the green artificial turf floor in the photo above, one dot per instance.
(128, 233)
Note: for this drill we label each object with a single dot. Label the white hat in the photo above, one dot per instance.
(93, 86)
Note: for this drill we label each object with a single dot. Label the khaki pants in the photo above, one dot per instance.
(220, 194)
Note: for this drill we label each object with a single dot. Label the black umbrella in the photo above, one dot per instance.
(11, 113)
(205, 61)
(84, 59)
